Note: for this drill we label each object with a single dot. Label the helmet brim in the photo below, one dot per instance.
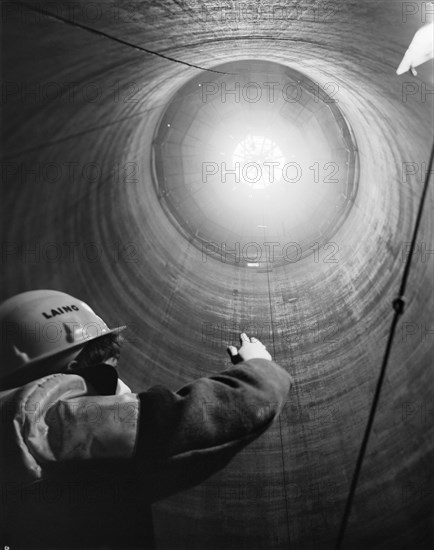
(68, 353)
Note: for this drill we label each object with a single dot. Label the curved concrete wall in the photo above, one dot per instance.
(81, 215)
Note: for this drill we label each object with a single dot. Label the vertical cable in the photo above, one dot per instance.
(398, 306)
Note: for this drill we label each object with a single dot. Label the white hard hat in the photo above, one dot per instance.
(44, 324)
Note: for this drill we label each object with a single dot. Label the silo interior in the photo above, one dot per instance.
(119, 123)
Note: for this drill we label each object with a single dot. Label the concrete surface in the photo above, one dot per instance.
(81, 215)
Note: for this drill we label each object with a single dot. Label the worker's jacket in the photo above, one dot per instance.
(83, 461)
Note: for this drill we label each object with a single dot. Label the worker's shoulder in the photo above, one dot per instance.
(40, 392)
(56, 385)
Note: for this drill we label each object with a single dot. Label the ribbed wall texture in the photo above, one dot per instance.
(81, 215)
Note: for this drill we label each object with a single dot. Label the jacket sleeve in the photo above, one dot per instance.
(185, 437)
(175, 439)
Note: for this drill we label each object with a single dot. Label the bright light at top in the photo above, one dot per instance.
(235, 170)
(259, 161)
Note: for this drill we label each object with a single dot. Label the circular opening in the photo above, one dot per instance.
(254, 153)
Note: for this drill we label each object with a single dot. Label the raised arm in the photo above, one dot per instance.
(173, 440)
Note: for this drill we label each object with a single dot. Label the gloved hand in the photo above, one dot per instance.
(251, 348)
(420, 50)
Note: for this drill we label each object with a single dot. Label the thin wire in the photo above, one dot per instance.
(47, 13)
(398, 306)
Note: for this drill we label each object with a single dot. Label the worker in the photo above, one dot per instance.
(83, 456)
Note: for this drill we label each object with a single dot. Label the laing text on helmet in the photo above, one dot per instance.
(60, 310)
